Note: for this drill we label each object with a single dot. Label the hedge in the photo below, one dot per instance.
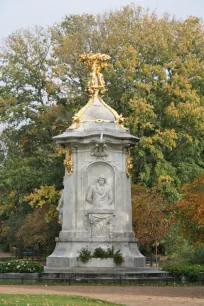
(177, 270)
(20, 266)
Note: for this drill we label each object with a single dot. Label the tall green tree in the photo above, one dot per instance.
(155, 79)
(32, 112)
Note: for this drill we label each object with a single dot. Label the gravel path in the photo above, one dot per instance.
(132, 296)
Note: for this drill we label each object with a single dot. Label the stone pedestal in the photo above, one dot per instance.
(106, 223)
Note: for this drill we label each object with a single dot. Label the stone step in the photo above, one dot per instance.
(37, 278)
(110, 280)
(105, 274)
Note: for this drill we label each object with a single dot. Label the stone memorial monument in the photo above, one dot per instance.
(95, 208)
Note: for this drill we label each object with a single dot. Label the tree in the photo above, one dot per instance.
(152, 215)
(155, 79)
(28, 108)
(191, 210)
(36, 228)
(45, 198)
(42, 232)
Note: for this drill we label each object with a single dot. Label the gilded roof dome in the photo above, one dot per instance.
(97, 111)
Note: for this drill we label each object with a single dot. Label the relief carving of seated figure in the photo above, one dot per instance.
(100, 194)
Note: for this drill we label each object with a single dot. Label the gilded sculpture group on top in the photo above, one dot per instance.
(96, 87)
(95, 63)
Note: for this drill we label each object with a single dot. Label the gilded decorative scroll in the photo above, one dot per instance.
(119, 118)
(68, 162)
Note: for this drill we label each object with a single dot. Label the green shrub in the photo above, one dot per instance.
(85, 255)
(118, 258)
(177, 270)
(110, 252)
(20, 266)
(100, 253)
(198, 257)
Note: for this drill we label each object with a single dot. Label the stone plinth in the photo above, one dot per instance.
(91, 225)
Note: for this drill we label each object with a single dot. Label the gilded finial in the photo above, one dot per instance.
(95, 63)
(96, 87)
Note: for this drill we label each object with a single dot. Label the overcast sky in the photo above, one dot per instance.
(15, 14)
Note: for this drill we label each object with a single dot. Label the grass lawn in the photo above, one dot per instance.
(49, 300)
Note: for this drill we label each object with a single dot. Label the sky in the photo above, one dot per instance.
(17, 14)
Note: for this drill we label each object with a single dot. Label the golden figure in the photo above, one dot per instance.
(95, 63)
(129, 163)
(68, 162)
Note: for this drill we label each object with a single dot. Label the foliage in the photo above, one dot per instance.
(29, 164)
(191, 209)
(85, 255)
(57, 300)
(152, 215)
(20, 266)
(155, 80)
(9, 228)
(41, 224)
(181, 247)
(100, 253)
(46, 197)
(28, 88)
(198, 256)
(177, 246)
(118, 258)
(42, 232)
(177, 270)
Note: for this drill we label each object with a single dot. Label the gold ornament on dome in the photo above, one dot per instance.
(68, 162)
(96, 87)
(129, 163)
(95, 63)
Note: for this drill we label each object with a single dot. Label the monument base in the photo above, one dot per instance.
(65, 256)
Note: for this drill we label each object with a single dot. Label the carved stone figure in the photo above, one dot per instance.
(129, 163)
(68, 162)
(100, 194)
(100, 224)
(60, 207)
